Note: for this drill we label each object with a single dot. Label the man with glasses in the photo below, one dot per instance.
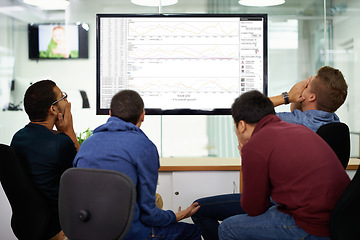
(47, 153)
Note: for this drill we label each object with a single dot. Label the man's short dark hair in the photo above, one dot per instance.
(38, 99)
(127, 105)
(251, 107)
(330, 89)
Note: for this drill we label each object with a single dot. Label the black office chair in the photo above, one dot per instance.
(337, 135)
(345, 217)
(96, 204)
(30, 214)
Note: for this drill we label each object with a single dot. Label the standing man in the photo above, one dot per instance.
(120, 145)
(45, 152)
(289, 163)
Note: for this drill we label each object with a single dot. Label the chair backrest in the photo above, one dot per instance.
(96, 204)
(345, 218)
(30, 213)
(337, 135)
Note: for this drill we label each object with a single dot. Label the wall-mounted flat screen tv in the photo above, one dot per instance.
(58, 41)
(181, 64)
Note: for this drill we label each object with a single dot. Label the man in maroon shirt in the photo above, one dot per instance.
(289, 163)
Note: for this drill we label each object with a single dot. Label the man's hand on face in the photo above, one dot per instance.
(295, 93)
(64, 121)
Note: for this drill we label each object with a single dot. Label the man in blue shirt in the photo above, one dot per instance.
(313, 104)
(314, 100)
(121, 145)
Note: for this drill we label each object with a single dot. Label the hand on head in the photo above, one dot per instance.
(64, 121)
(295, 93)
(188, 212)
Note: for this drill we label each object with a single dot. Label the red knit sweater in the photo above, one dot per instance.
(294, 166)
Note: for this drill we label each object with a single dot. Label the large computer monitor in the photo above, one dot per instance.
(181, 64)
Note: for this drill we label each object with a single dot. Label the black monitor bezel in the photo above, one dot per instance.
(159, 111)
(33, 41)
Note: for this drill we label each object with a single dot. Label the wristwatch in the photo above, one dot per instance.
(285, 96)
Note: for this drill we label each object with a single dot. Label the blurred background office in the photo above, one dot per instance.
(302, 36)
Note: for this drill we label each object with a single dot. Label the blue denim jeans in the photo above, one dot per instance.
(272, 225)
(176, 231)
(215, 209)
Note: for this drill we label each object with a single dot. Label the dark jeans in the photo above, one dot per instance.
(176, 231)
(215, 209)
(271, 225)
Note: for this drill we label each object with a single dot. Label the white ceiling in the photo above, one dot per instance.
(26, 13)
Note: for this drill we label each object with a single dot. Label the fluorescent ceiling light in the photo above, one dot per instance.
(154, 3)
(15, 9)
(261, 3)
(49, 4)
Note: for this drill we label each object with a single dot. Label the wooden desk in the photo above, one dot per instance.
(353, 164)
(200, 164)
(216, 164)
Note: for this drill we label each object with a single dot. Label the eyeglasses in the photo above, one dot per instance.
(63, 97)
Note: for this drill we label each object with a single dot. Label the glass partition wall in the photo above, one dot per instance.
(302, 36)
